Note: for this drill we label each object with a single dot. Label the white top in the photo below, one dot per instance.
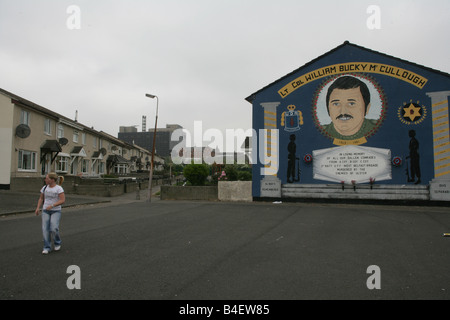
(51, 196)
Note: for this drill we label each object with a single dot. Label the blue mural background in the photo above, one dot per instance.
(392, 134)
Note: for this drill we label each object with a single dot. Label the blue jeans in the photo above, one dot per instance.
(50, 227)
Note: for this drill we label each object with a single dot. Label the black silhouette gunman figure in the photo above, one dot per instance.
(414, 158)
(292, 149)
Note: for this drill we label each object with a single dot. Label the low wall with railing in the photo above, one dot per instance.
(96, 187)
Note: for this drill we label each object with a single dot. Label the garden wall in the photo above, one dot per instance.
(189, 193)
(225, 191)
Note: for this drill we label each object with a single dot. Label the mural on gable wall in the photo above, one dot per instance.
(358, 116)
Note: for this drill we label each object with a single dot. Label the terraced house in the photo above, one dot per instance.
(35, 140)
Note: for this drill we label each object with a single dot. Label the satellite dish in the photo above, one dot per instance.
(103, 151)
(63, 141)
(23, 131)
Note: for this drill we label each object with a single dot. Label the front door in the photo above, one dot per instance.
(46, 164)
(74, 168)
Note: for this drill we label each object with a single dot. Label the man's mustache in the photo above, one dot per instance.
(344, 117)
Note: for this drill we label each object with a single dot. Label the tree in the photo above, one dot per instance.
(196, 174)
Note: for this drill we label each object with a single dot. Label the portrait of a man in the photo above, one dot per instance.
(349, 108)
(348, 102)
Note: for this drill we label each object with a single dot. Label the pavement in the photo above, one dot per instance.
(196, 250)
(13, 203)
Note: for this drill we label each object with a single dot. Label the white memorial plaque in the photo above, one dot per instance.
(352, 163)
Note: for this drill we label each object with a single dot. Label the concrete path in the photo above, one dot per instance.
(12, 203)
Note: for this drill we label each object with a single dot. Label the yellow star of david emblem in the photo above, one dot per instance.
(411, 112)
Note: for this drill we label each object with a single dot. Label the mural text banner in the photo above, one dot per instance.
(341, 68)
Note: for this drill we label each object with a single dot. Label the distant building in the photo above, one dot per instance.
(163, 144)
(128, 129)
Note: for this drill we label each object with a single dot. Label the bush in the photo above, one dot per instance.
(109, 176)
(244, 176)
(196, 174)
(177, 169)
(238, 172)
(232, 173)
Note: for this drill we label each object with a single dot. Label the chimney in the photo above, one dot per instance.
(144, 123)
(76, 115)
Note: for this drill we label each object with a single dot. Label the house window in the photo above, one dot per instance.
(25, 117)
(48, 127)
(75, 136)
(27, 160)
(60, 131)
(83, 138)
(62, 164)
(95, 142)
(101, 168)
(85, 166)
(120, 168)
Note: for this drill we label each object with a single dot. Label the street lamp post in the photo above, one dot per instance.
(149, 196)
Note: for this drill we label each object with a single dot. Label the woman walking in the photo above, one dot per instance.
(52, 197)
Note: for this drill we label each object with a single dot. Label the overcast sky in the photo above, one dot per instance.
(201, 58)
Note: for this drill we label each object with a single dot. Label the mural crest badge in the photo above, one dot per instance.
(412, 113)
(292, 119)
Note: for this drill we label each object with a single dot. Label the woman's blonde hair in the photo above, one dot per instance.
(58, 179)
